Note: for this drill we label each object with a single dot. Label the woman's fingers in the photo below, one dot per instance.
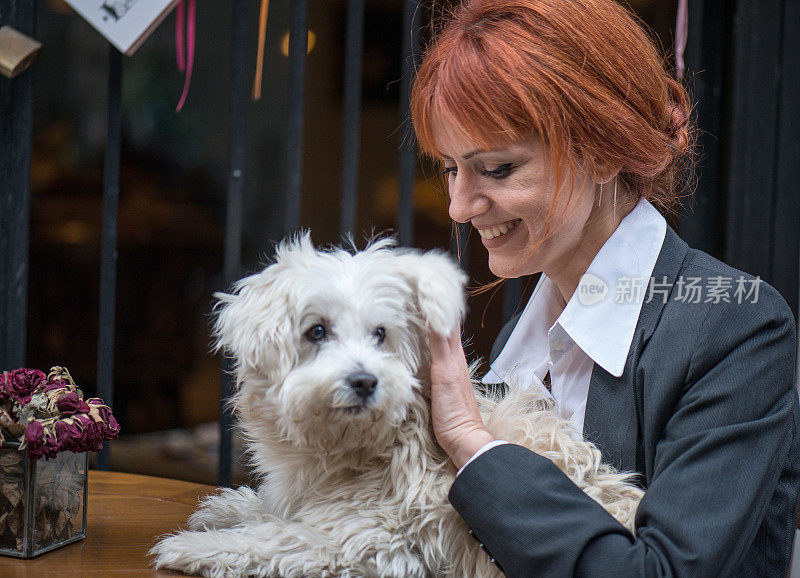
(447, 356)
(439, 346)
(456, 419)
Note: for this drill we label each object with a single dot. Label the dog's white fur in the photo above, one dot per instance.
(354, 487)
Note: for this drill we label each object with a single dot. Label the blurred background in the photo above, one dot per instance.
(174, 177)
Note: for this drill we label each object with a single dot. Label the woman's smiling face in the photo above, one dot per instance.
(506, 195)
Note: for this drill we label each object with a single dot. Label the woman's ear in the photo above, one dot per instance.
(603, 173)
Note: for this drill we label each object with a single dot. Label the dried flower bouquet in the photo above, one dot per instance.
(42, 504)
(48, 414)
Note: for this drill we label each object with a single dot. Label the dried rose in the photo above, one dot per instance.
(79, 433)
(20, 383)
(38, 442)
(69, 433)
(99, 411)
(53, 386)
(92, 433)
(70, 403)
(34, 432)
(51, 447)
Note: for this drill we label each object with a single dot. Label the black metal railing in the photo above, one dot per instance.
(108, 258)
(351, 139)
(16, 128)
(234, 214)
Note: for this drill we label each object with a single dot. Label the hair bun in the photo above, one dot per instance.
(678, 124)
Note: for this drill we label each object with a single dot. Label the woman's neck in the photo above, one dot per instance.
(598, 228)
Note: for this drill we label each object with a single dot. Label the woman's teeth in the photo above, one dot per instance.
(497, 231)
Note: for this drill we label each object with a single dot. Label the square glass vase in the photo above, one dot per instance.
(42, 502)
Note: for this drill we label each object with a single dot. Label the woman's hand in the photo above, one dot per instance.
(457, 422)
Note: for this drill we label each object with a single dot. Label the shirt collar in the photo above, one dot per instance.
(528, 346)
(601, 315)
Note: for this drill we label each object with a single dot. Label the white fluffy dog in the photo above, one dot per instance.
(332, 371)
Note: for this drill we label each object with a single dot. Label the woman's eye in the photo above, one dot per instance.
(316, 333)
(446, 172)
(380, 334)
(500, 172)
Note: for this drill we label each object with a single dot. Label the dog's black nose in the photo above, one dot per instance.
(363, 384)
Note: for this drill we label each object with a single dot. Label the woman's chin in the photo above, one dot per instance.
(505, 268)
(514, 262)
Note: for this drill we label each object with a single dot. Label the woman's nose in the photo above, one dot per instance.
(466, 201)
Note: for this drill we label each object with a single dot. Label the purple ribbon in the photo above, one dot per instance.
(681, 34)
(184, 46)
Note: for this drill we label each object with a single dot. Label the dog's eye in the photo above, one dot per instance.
(316, 333)
(380, 334)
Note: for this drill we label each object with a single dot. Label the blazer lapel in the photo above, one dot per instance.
(614, 407)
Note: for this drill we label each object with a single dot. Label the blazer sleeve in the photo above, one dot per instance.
(717, 463)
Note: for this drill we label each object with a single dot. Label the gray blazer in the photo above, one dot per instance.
(707, 414)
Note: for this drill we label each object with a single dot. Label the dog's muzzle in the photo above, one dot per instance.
(363, 384)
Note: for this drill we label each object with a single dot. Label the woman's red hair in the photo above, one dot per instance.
(582, 74)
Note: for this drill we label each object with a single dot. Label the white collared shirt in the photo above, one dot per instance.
(595, 326)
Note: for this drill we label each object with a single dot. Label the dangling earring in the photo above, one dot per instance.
(615, 199)
(600, 199)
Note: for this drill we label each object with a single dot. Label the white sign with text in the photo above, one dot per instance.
(124, 23)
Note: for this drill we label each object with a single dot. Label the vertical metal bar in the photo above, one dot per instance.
(750, 234)
(354, 43)
(408, 153)
(108, 260)
(787, 166)
(234, 216)
(298, 47)
(16, 127)
(708, 66)
(512, 295)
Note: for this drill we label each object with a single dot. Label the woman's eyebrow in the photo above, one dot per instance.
(465, 157)
(472, 154)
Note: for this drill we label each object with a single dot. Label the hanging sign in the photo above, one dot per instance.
(125, 23)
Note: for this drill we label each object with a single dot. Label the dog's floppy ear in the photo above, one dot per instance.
(438, 284)
(254, 322)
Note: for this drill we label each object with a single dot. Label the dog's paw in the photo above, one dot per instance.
(198, 553)
(226, 508)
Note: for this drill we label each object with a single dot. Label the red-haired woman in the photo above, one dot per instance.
(560, 133)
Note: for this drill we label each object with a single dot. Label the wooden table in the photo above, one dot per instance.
(127, 513)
